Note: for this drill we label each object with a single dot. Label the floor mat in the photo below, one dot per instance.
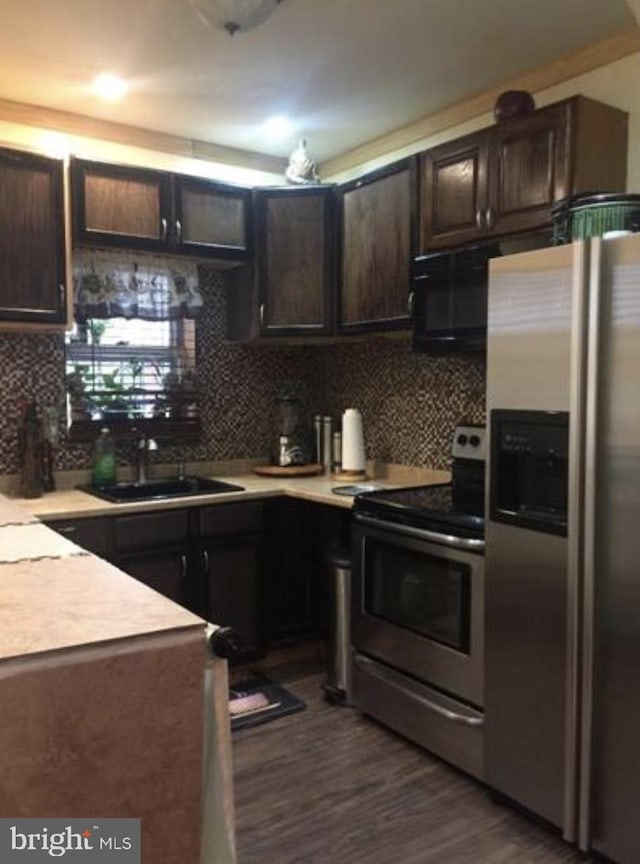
(260, 700)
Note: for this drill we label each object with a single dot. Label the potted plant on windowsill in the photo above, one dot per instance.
(80, 404)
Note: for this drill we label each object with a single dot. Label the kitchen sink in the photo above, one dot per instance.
(162, 487)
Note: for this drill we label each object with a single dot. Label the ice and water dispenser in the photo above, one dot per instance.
(529, 469)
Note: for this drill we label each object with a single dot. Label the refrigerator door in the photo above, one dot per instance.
(536, 344)
(614, 493)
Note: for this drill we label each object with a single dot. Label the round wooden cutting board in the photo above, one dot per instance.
(288, 470)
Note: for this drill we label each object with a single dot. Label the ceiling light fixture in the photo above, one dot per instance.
(110, 87)
(234, 15)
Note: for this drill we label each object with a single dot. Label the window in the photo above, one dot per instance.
(134, 373)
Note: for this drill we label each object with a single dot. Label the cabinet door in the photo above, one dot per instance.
(94, 535)
(121, 206)
(295, 260)
(211, 220)
(32, 247)
(528, 170)
(376, 248)
(144, 531)
(166, 571)
(234, 588)
(295, 606)
(453, 192)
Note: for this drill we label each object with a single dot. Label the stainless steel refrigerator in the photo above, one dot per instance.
(562, 642)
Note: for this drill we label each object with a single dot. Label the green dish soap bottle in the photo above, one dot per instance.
(104, 459)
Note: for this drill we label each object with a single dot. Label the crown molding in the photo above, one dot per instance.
(567, 66)
(133, 136)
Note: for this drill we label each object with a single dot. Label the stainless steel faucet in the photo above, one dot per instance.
(143, 448)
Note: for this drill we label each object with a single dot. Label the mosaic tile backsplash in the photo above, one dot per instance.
(410, 403)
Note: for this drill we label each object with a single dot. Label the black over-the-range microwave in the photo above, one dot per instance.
(449, 299)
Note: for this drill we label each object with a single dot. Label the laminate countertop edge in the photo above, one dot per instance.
(77, 504)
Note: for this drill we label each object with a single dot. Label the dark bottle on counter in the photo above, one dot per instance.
(30, 447)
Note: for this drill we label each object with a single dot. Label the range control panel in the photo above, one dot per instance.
(469, 442)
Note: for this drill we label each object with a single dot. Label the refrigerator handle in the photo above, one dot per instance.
(577, 408)
(589, 543)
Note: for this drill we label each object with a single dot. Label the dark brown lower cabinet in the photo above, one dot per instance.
(167, 572)
(209, 559)
(155, 548)
(290, 611)
(301, 536)
(258, 567)
(234, 589)
(94, 535)
(230, 567)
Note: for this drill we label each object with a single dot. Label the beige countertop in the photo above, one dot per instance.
(54, 595)
(50, 604)
(74, 503)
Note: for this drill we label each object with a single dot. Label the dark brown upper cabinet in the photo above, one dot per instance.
(289, 290)
(138, 208)
(375, 248)
(505, 179)
(33, 277)
(211, 219)
(294, 252)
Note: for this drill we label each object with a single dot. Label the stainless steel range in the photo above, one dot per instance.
(418, 607)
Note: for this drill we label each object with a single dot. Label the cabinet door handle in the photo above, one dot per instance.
(183, 561)
(68, 529)
(205, 562)
(61, 291)
(479, 219)
(491, 214)
(261, 314)
(178, 231)
(411, 303)
(163, 229)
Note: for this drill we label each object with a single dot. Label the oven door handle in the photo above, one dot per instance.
(469, 543)
(374, 669)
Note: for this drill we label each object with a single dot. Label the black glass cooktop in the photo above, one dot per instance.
(430, 507)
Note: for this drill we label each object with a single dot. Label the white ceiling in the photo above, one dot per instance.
(347, 71)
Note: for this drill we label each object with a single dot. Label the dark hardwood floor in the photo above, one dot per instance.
(329, 786)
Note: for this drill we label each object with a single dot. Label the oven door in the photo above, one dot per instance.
(418, 605)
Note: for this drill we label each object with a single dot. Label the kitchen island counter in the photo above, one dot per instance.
(54, 595)
(102, 683)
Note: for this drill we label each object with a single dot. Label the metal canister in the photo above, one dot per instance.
(317, 428)
(336, 451)
(327, 426)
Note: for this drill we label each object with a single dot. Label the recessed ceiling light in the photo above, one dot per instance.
(110, 87)
(278, 126)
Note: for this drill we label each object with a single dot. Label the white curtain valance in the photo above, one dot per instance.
(130, 285)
